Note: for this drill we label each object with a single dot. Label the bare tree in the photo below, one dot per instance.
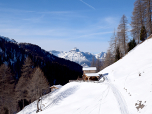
(122, 34)
(22, 88)
(113, 43)
(138, 19)
(98, 64)
(148, 15)
(108, 60)
(27, 68)
(38, 83)
(7, 83)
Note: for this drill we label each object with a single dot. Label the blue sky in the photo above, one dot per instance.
(63, 24)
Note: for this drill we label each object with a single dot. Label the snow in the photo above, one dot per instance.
(68, 100)
(132, 77)
(82, 58)
(89, 68)
(58, 86)
(84, 65)
(101, 55)
(127, 89)
(92, 74)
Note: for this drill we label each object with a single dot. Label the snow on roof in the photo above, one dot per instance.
(58, 86)
(90, 68)
(92, 74)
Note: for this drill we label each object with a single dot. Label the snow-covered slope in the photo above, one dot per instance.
(82, 58)
(132, 75)
(78, 98)
(127, 89)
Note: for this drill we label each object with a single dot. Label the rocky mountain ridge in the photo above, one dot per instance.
(75, 55)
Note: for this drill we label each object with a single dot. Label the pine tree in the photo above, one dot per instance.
(131, 44)
(143, 33)
(118, 54)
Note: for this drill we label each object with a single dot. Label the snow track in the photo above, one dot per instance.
(96, 105)
(121, 101)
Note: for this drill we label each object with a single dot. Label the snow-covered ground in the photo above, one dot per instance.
(127, 89)
(82, 58)
(132, 75)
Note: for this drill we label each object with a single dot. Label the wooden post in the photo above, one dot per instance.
(88, 78)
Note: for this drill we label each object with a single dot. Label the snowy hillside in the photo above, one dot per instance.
(82, 58)
(132, 75)
(127, 89)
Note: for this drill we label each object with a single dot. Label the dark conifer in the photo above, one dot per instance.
(143, 33)
(131, 44)
(118, 54)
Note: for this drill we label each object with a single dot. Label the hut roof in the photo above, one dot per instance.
(56, 86)
(91, 74)
(89, 68)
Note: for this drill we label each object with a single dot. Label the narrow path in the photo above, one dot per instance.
(121, 101)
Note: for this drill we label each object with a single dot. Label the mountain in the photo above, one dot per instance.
(6, 39)
(82, 58)
(127, 89)
(13, 55)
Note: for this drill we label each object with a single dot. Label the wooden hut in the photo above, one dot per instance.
(89, 70)
(89, 73)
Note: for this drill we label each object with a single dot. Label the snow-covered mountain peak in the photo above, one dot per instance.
(75, 49)
(82, 58)
(100, 55)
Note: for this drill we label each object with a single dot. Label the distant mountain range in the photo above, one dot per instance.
(75, 55)
(14, 54)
